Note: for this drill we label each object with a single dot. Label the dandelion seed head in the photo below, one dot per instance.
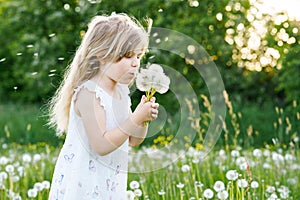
(26, 158)
(3, 175)
(219, 186)
(254, 184)
(242, 183)
(37, 157)
(232, 175)
(130, 195)
(138, 192)
(257, 153)
(38, 186)
(3, 160)
(134, 185)
(222, 195)
(9, 168)
(32, 193)
(46, 184)
(185, 168)
(208, 193)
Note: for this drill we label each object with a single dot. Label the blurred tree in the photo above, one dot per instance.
(41, 37)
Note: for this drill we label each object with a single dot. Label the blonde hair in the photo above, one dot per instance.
(108, 39)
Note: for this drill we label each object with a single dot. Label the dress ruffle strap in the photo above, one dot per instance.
(93, 87)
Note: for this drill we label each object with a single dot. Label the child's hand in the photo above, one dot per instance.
(145, 111)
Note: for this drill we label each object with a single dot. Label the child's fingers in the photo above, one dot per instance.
(153, 99)
(155, 105)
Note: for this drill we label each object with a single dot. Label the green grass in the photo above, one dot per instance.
(24, 124)
(30, 167)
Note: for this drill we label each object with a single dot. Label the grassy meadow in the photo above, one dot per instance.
(247, 163)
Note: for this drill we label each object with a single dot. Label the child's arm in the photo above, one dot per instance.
(134, 140)
(88, 107)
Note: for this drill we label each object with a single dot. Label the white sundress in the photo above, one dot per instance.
(82, 174)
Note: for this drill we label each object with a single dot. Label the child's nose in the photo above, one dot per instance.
(135, 63)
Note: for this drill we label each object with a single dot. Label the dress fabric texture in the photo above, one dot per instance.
(82, 174)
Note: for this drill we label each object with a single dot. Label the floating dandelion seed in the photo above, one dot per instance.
(160, 10)
(3, 59)
(15, 88)
(50, 75)
(29, 46)
(19, 54)
(36, 54)
(52, 35)
(151, 57)
(61, 58)
(34, 73)
(53, 70)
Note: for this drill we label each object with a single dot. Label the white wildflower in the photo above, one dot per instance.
(198, 184)
(270, 189)
(180, 185)
(219, 186)
(161, 192)
(273, 197)
(208, 194)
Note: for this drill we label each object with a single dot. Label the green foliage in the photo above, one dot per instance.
(289, 81)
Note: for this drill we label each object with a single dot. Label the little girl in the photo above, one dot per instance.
(92, 106)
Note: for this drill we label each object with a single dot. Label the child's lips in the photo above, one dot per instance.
(132, 74)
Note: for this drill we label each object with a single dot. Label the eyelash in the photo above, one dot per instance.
(129, 55)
